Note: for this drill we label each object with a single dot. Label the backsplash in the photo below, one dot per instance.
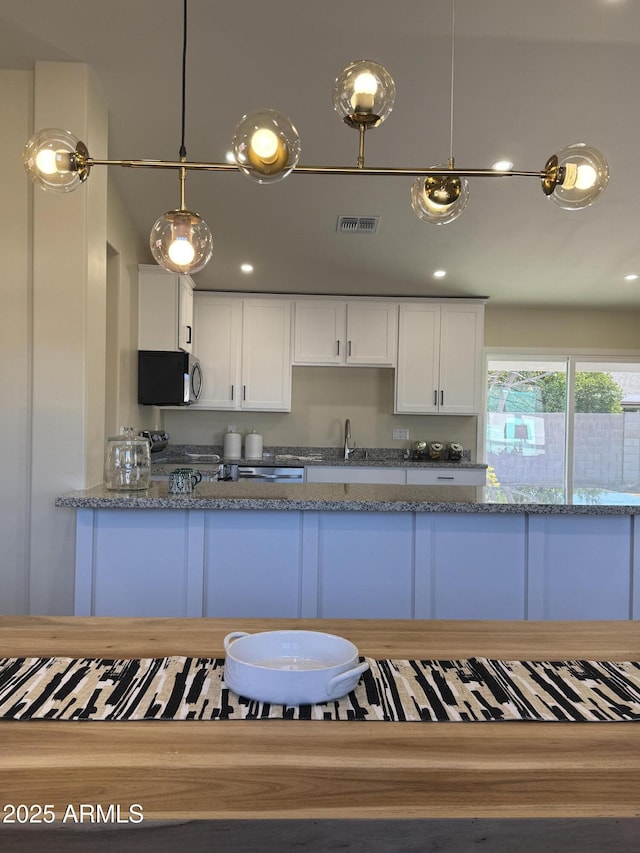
(322, 399)
(326, 455)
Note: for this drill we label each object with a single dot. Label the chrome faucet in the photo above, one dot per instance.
(347, 437)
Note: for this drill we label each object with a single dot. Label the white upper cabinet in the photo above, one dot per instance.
(218, 329)
(341, 332)
(244, 347)
(439, 366)
(165, 310)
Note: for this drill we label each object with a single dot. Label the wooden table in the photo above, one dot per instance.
(283, 769)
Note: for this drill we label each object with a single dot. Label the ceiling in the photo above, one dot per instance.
(529, 79)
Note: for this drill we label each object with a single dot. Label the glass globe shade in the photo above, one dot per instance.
(584, 175)
(364, 93)
(55, 160)
(266, 146)
(181, 242)
(429, 197)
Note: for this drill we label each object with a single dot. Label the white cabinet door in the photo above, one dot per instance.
(579, 567)
(266, 355)
(252, 565)
(446, 477)
(343, 474)
(439, 366)
(418, 358)
(244, 350)
(319, 332)
(339, 332)
(365, 565)
(461, 338)
(140, 564)
(470, 566)
(371, 333)
(165, 309)
(218, 331)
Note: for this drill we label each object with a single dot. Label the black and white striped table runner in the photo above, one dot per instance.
(185, 688)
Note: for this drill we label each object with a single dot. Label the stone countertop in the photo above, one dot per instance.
(199, 456)
(323, 497)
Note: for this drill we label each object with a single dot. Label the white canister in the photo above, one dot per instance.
(253, 445)
(232, 445)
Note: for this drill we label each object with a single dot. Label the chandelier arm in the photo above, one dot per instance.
(362, 129)
(319, 170)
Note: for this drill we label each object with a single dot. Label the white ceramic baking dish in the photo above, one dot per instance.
(291, 667)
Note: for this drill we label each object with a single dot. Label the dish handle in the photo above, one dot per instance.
(234, 635)
(345, 676)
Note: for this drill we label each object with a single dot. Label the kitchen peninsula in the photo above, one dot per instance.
(264, 550)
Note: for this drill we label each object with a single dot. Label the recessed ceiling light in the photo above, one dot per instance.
(439, 273)
(229, 157)
(631, 277)
(502, 166)
(246, 267)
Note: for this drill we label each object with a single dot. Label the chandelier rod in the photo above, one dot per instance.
(319, 170)
(453, 32)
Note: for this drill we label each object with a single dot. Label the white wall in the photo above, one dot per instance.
(16, 93)
(562, 328)
(52, 335)
(68, 251)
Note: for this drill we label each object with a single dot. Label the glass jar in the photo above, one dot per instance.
(127, 464)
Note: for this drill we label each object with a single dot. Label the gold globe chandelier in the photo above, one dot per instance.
(266, 148)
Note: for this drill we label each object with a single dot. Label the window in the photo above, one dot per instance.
(565, 425)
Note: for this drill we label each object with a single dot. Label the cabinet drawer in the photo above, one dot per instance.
(340, 474)
(446, 477)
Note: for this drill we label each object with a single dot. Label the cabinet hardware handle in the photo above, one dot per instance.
(349, 348)
(244, 392)
(442, 398)
(232, 392)
(337, 347)
(189, 335)
(445, 478)
(435, 397)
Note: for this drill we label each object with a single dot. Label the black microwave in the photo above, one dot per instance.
(168, 378)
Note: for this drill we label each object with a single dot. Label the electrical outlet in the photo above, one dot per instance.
(400, 434)
(231, 428)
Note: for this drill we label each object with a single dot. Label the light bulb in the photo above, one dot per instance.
(266, 146)
(575, 177)
(181, 251)
(365, 83)
(364, 90)
(364, 94)
(586, 177)
(181, 241)
(264, 143)
(46, 161)
(56, 160)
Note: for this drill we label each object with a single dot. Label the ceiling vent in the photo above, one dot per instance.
(357, 224)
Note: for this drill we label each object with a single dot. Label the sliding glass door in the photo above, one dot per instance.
(606, 426)
(565, 425)
(526, 422)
